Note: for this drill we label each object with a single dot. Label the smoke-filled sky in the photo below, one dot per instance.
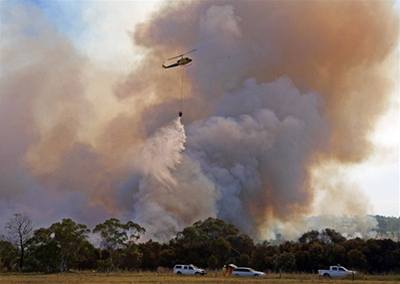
(290, 110)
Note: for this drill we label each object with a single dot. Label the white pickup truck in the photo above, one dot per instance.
(336, 271)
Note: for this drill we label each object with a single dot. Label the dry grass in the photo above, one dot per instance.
(151, 277)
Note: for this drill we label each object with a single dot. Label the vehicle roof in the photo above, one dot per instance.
(231, 265)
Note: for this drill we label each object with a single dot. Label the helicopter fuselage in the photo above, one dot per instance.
(180, 62)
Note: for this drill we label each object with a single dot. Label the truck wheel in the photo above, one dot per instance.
(197, 273)
(179, 273)
(326, 275)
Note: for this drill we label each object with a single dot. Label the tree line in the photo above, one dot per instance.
(211, 243)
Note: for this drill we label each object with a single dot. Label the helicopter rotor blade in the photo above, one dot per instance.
(193, 50)
(180, 55)
(175, 57)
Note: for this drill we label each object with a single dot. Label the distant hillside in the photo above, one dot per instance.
(388, 227)
(366, 226)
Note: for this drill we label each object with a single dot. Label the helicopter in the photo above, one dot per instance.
(181, 61)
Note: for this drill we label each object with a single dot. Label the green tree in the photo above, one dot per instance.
(212, 262)
(257, 259)
(244, 259)
(8, 256)
(116, 237)
(309, 237)
(70, 237)
(241, 244)
(167, 257)
(115, 234)
(285, 262)
(62, 246)
(150, 254)
(317, 255)
(356, 259)
(131, 257)
(331, 236)
(303, 261)
(44, 253)
(336, 253)
(87, 256)
(375, 255)
(212, 236)
(222, 249)
(214, 228)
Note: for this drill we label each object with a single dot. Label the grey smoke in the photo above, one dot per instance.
(275, 91)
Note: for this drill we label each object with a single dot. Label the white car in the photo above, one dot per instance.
(246, 271)
(188, 269)
(336, 271)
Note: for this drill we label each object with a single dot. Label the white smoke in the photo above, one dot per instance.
(171, 189)
(161, 153)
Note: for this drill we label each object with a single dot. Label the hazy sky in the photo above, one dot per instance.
(100, 30)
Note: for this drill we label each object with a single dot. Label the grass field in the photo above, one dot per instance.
(152, 277)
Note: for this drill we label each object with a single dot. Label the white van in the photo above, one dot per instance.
(188, 269)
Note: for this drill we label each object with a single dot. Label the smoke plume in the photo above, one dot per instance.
(277, 89)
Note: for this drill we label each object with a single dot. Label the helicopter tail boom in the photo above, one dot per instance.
(170, 66)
